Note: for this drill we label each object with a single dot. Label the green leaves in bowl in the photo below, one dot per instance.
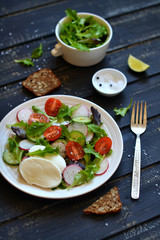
(82, 33)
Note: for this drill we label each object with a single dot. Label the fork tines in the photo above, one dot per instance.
(142, 113)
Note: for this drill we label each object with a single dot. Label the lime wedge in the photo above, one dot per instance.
(136, 64)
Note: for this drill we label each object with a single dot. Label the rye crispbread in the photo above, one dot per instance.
(108, 203)
(42, 82)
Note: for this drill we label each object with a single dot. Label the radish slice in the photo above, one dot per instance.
(81, 127)
(89, 136)
(81, 111)
(26, 144)
(61, 146)
(103, 167)
(23, 114)
(70, 172)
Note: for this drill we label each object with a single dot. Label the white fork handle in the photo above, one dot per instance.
(136, 170)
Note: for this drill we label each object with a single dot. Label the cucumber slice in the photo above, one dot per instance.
(78, 137)
(9, 158)
(82, 119)
(33, 139)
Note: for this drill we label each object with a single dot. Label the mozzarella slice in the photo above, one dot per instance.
(36, 147)
(56, 158)
(41, 172)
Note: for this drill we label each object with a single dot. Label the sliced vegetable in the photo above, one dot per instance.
(23, 115)
(89, 136)
(82, 119)
(81, 111)
(74, 150)
(104, 165)
(103, 145)
(52, 106)
(70, 172)
(78, 137)
(37, 117)
(26, 144)
(52, 133)
(61, 146)
(10, 158)
(81, 127)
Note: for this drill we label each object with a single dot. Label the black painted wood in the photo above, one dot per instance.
(136, 31)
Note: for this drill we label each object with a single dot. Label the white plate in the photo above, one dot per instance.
(11, 173)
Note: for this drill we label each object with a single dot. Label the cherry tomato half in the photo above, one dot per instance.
(52, 133)
(52, 106)
(37, 117)
(74, 150)
(103, 145)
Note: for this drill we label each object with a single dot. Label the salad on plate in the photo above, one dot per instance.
(61, 146)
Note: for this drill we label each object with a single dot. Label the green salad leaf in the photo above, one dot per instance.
(14, 148)
(82, 33)
(47, 150)
(89, 149)
(37, 52)
(36, 129)
(122, 111)
(97, 130)
(27, 62)
(66, 111)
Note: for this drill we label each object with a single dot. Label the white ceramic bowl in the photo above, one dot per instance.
(77, 57)
(109, 82)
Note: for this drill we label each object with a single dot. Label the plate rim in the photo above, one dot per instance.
(39, 99)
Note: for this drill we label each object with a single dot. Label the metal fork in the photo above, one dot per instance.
(138, 127)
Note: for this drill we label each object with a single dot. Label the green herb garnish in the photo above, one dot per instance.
(27, 62)
(122, 111)
(37, 52)
(82, 33)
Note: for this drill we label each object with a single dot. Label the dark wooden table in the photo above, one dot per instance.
(136, 27)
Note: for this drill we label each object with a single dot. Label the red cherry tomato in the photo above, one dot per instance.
(74, 150)
(103, 145)
(37, 117)
(52, 133)
(52, 106)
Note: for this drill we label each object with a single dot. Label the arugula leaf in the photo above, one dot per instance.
(89, 149)
(36, 129)
(97, 130)
(20, 124)
(27, 62)
(66, 111)
(47, 150)
(14, 148)
(37, 52)
(71, 13)
(122, 111)
(65, 133)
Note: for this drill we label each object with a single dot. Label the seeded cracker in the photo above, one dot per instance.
(42, 82)
(109, 203)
